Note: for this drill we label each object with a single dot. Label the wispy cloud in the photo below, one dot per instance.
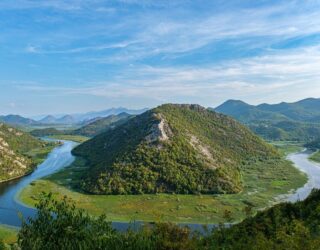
(268, 76)
(162, 51)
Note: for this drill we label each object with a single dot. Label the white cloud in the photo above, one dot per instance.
(258, 79)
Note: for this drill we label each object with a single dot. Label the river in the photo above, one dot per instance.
(11, 209)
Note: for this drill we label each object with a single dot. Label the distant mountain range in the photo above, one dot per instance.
(67, 119)
(307, 110)
(17, 120)
(80, 119)
(86, 118)
(284, 121)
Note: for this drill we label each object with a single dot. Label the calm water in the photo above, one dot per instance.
(11, 209)
(312, 169)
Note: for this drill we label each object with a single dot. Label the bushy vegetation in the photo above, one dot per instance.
(15, 147)
(286, 226)
(314, 145)
(197, 151)
(2, 246)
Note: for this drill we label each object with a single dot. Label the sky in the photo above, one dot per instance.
(82, 55)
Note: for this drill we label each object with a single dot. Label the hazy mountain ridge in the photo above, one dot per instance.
(17, 120)
(89, 129)
(83, 118)
(172, 148)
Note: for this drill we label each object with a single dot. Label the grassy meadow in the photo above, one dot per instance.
(8, 234)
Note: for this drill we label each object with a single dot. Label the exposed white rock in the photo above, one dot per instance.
(159, 131)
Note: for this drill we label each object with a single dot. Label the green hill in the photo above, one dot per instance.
(102, 125)
(172, 149)
(15, 147)
(297, 121)
(247, 113)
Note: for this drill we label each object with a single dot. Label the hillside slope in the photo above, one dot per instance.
(101, 125)
(14, 145)
(297, 121)
(172, 148)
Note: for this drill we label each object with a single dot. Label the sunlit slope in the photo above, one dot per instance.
(14, 145)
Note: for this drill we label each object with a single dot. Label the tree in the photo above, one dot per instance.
(58, 225)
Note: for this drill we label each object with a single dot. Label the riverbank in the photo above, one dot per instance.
(38, 156)
(315, 157)
(263, 182)
(8, 234)
(11, 210)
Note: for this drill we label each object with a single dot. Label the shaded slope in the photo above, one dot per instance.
(101, 125)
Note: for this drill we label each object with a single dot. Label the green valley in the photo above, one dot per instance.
(263, 173)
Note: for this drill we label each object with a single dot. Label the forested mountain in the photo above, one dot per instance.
(14, 145)
(17, 120)
(285, 121)
(173, 149)
(101, 125)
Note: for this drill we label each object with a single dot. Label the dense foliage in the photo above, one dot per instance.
(173, 149)
(314, 145)
(2, 246)
(286, 226)
(14, 146)
(285, 121)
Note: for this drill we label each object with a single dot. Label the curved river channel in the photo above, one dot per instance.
(11, 209)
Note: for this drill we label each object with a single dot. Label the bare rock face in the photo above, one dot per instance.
(160, 131)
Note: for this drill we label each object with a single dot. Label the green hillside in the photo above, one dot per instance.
(102, 125)
(172, 149)
(16, 151)
(297, 121)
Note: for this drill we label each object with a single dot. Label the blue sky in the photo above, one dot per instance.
(81, 55)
